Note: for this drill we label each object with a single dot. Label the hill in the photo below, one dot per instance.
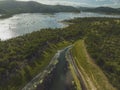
(9, 8)
(107, 10)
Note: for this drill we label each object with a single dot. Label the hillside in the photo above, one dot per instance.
(84, 8)
(106, 10)
(8, 8)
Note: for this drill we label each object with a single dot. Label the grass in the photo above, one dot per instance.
(76, 80)
(94, 77)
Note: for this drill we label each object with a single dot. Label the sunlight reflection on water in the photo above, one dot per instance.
(26, 23)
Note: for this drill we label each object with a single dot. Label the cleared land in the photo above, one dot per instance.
(93, 76)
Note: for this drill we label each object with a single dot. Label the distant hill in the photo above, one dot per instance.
(107, 10)
(84, 8)
(15, 7)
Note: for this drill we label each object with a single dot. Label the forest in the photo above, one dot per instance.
(23, 57)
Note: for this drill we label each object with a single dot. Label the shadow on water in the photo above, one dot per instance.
(61, 78)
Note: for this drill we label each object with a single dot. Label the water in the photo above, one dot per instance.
(63, 77)
(60, 78)
(26, 23)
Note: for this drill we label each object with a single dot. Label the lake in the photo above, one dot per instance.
(26, 23)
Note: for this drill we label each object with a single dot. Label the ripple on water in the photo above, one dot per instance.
(26, 23)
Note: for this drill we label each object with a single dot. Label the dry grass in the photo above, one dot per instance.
(93, 75)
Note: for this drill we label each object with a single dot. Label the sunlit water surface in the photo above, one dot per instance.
(26, 23)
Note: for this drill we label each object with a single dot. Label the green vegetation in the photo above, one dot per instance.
(23, 57)
(76, 80)
(93, 76)
(102, 40)
(9, 8)
(103, 44)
